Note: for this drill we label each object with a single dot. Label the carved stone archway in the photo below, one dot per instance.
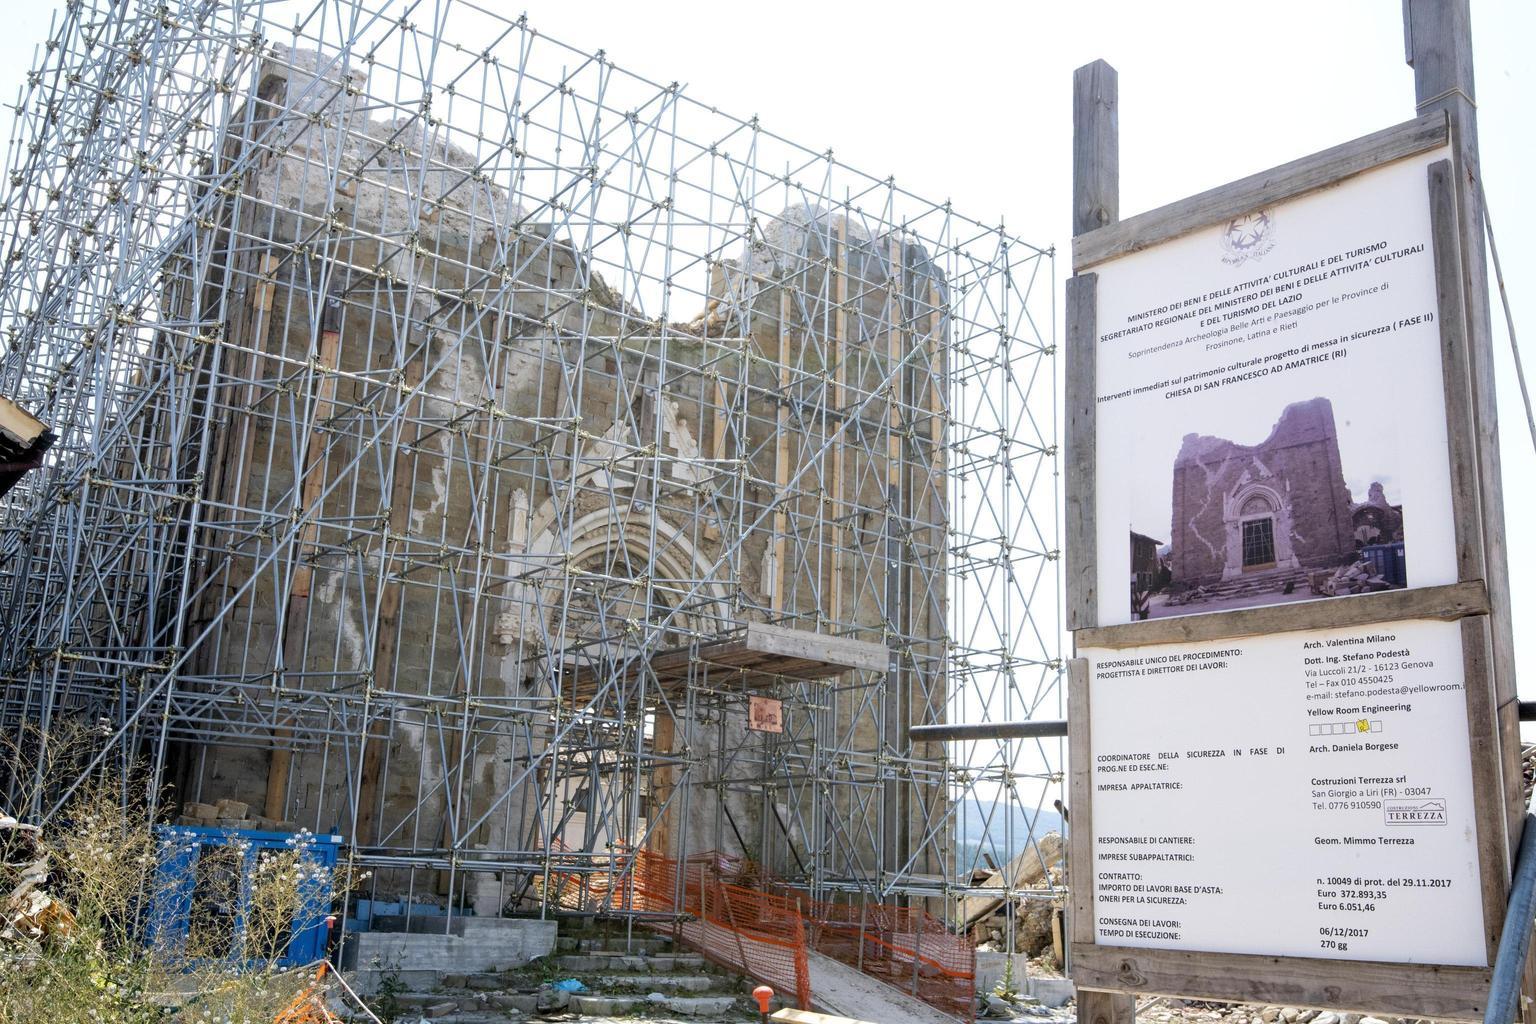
(1253, 501)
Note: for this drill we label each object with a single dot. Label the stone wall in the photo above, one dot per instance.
(564, 465)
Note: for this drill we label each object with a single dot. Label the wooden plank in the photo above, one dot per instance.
(387, 630)
(1308, 174)
(1095, 206)
(839, 450)
(819, 647)
(1456, 371)
(663, 742)
(1095, 147)
(1445, 604)
(780, 462)
(1082, 564)
(1361, 986)
(1493, 817)
(1105, 1007)
(793, 1016)
(1024, 871)
(1439, 49)
(1488, 805)
(1079, 804)
(312, 483)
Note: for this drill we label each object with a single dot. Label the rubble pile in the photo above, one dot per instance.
(1036, 924)
(1528, 770)
(1014, 1007)
(1193, 595)
(231, 814)
(1188, 1011)
(28, 915)
(1355, 578)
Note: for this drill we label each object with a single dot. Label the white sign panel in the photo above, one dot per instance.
(1270, 407)
(1305, 794)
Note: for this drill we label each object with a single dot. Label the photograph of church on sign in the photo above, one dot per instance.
(1266, 523)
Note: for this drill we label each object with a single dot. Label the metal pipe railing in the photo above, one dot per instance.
(951, 732)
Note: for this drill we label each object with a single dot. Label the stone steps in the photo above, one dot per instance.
(715, 1007)
(1258, 583)
(606, 944)
(663, 983)
(624, 973)
(654, 963)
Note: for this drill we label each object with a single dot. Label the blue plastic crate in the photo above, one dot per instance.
(204, 880)
(1388, 562)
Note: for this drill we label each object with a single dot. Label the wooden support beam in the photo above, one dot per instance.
(781, 460)
(1449, 993)
(387, 632)
(835, 418)
(1082, 539)
(1444, 604)
(1095, 147)
(1095, 205)
(311, 484)
(1438, 46)
(1308, 174)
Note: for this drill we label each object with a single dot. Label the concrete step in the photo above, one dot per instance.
(606, 1006)
(655, 963)
(664, 983)
(688, 1006)
(633, 947)
(435, 1005)
(1259, 583)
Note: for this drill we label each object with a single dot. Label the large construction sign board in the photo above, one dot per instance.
(1289, 752)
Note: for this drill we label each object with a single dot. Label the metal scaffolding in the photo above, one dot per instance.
(458, 435)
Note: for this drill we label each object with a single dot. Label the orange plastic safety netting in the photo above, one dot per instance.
(643, 883)
(903, 946)
(757, 933)
(754, 932)
(742, 917)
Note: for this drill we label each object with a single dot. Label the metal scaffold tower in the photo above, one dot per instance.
(462, 443)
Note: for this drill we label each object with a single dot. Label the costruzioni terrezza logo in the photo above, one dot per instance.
(1248, 237)
(1414, 812)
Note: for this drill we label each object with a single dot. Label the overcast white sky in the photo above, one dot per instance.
(971, 101)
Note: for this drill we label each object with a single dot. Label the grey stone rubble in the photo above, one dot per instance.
(1180, 1011)
(1355, 578)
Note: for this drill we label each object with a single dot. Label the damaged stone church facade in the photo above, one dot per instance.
(1280, 507)
(476, 436)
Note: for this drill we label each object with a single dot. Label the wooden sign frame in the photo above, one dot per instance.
(1107, 975)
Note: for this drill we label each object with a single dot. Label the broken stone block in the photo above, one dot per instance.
(552, 999)
(232, 809)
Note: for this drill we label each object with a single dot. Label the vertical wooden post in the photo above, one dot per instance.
(1095, 147)
(895, 707)
(781, 460)
(311, 484)
(1095, 204)
(1439, 49)
(663, 742)
(834, 508)
(1438, 37)
(367, 827)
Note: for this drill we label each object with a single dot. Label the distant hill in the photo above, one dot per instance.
(973, 828)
